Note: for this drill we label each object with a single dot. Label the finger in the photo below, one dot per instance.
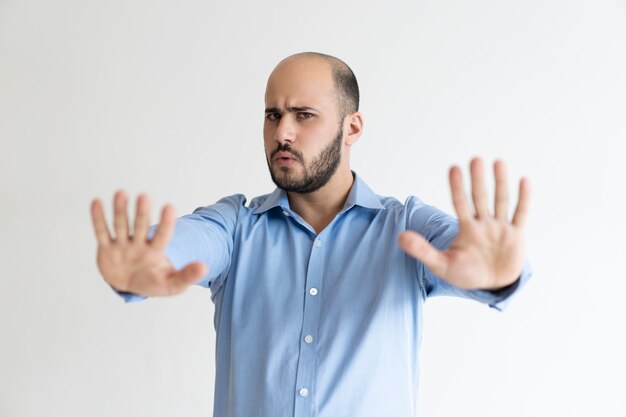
(521, 211)
(103, 236)
(419, 248)
(501, 206)
(459, 199)
(120, 216)
(186, 276)
(165, 229)
(142, 219)
(479, 192)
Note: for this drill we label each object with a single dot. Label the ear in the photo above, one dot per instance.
(353, 126)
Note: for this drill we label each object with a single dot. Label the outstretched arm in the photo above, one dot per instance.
(488, 252)
(131, 262)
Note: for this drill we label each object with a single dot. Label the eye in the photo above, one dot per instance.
(305, 115)
(272, 116)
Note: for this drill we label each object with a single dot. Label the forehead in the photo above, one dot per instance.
(300, 82)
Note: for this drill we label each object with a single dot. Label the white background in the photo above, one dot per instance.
(167, 98)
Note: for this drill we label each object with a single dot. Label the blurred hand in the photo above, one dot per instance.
(488, 252)
(132, 263)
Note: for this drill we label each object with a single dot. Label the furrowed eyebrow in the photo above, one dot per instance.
(289, 109)
(298, 109)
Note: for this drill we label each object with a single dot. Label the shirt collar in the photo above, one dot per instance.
(360, 195)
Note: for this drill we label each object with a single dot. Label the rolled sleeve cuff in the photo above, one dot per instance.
(128, 297)
(500, 298)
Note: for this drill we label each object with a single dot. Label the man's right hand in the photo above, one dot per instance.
(132, 263)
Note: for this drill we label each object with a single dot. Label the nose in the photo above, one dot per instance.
(285, 131)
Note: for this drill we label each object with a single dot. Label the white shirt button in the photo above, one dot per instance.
(313, 291)
(304, 392)
(308, 338)
(318, 243)
(286, 213)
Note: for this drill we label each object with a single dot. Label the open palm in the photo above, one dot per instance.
(488, 252)
(132, 263)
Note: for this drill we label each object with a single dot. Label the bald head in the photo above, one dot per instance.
(346, 88)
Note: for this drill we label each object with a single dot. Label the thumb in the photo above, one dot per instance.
(419, 248)
(186, 276)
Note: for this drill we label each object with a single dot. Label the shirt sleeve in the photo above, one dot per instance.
(440, 229)
(206, 236)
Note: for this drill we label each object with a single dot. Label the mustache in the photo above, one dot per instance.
(284, 147)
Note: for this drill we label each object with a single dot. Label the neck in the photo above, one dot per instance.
(320, 207)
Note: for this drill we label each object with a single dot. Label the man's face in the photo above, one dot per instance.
(302, 131)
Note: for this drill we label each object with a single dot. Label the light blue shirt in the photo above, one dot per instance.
(309, 324)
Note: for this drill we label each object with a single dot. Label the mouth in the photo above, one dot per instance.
(285, 155)
(285, 158)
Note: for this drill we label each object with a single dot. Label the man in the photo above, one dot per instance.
(319, 286)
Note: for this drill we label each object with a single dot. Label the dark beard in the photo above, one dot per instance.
(315, 175)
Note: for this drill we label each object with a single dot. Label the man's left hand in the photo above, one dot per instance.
(488, 252)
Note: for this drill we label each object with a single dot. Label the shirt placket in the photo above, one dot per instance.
(307, 366)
